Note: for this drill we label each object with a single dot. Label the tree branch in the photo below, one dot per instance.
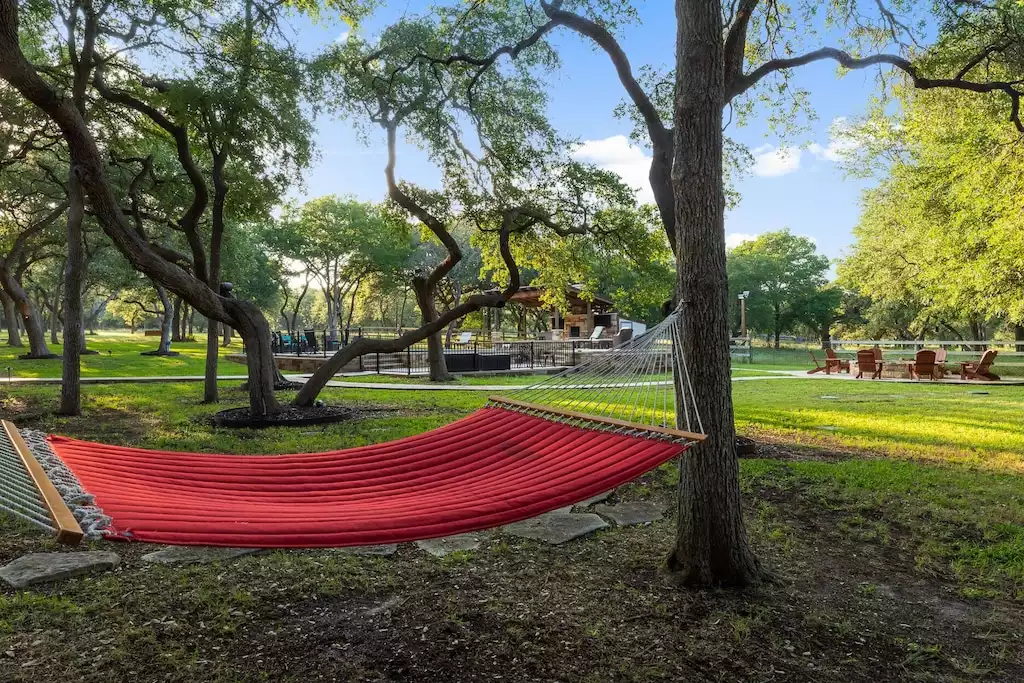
(849, 62)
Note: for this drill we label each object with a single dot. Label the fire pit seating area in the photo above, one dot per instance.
(927, 364)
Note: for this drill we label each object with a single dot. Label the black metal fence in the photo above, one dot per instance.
(480, 355)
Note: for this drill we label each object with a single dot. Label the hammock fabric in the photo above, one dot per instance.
(494, 467)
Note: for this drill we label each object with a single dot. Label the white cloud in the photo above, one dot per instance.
(771, 161)
(343, 38)
(840, 142)
(616, 154)
(737, 238)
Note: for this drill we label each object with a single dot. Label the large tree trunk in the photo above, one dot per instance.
(711, 540)
(1018, 335)
(435, 345)
(259, 355)
(74, 276)
(226, 334)
(30, 318)
(10, 321)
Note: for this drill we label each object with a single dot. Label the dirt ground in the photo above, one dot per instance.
(845, 605)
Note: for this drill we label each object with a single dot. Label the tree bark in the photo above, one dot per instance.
(711, 540)
(826, 336)
(210, 391)
(435, 346)
(777, 325)
(176, 321)
(351, 310)
(11, 321)
(55, 313)
(263, 374)
(166, 322)
(1018, 335)
(74, 276)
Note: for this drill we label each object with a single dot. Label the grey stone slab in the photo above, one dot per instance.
(439, 547)
(378, 550)
(556, 527)
(626, 514)
(195, 554)
(35, 568)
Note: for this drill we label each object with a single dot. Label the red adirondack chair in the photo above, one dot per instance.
(834, 362)
(980, 369)
(923, 365)
(866, 362)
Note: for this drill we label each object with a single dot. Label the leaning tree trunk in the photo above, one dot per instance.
(10, 321)
(711, 540)
(74, 276)
(30, 318)
(435, 346)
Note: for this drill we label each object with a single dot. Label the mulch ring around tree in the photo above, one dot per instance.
(746, 447)
(290, 416)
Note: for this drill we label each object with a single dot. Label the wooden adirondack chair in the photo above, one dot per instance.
(834, 362)
(866, 362)
(818, 367)
(980, 369)
(940, 362)
(923, 365)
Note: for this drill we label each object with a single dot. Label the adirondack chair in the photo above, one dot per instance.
(866, 362)
(940, 362)
(923, 365)
(834, 362)
(980, 369)
(818, 367)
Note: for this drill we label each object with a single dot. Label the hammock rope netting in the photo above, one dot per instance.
(560, 441)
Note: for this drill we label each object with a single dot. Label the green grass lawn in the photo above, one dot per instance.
(119, 356)
(892, 516)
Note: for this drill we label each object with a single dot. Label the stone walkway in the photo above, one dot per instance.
(554, 528)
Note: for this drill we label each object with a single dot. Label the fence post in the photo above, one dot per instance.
(325, 344)
(531, 355)
(408, 361)
(574, 354)
(378, 362)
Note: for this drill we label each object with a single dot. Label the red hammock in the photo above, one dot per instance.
(493, 467)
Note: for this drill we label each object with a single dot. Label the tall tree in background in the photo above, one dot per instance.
(943, 229)
(341, 242)
(782, 272)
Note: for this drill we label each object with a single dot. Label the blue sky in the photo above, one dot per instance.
(796, 187)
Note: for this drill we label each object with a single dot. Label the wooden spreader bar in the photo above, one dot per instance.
(678, 433)
(68, 530)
